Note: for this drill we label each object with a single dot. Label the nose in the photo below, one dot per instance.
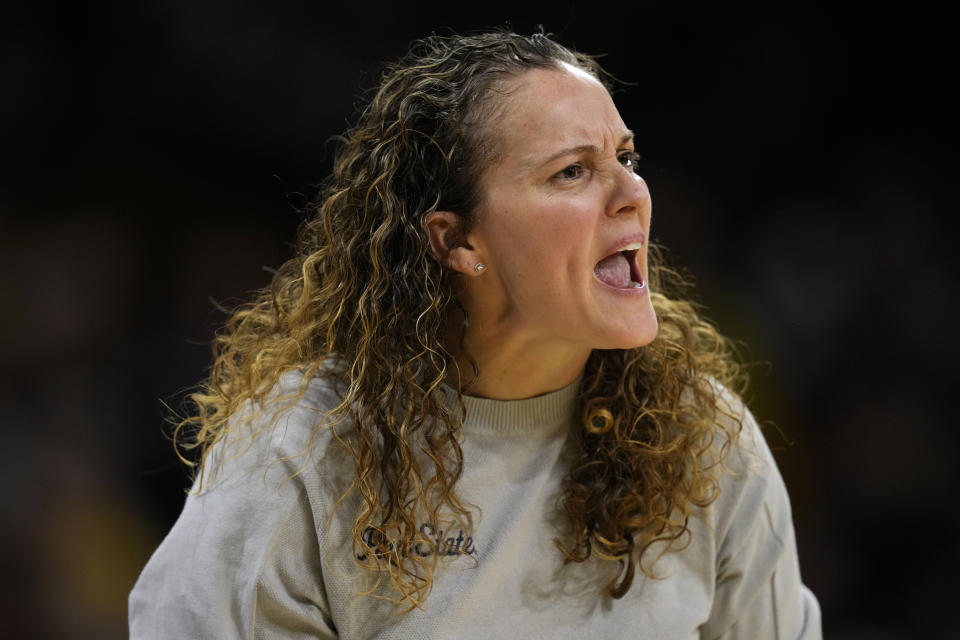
(630, 195)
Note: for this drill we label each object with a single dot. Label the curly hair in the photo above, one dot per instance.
(365, 291)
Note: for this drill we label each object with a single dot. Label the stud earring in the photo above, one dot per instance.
(479, 267)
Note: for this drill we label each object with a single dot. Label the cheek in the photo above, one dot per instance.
(546, 240)
(539, 252)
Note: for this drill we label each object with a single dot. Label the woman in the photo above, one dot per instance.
(468, 407)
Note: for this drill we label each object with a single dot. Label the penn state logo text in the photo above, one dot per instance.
(452, 545)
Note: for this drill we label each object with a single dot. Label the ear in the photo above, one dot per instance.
(449, 246)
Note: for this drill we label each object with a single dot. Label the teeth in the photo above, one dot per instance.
(632, 246)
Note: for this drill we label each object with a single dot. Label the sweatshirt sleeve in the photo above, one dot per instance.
(758, 591)
(242, 561)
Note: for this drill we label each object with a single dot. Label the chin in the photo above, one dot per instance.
(638, 335)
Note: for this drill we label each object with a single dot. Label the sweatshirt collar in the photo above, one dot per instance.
(547, 411)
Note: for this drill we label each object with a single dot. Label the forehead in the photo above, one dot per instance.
(548, 110)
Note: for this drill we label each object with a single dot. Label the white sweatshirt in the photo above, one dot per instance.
(261, 554)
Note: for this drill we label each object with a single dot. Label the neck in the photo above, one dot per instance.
(511, 366)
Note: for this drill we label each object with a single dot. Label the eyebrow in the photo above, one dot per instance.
(585, 148)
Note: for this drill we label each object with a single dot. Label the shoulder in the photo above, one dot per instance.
(274, 459)
(739, 433)
(251, 528)
(757, 569)
(751, 497)
(273, 452)
(289, 427)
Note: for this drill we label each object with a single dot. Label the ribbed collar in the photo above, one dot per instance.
(548, 411)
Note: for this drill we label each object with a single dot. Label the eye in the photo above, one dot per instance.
(629, 159)
(570, 173)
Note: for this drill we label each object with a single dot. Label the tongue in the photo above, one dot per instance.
(614, 271)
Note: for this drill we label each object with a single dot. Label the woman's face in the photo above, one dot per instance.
(557, 206)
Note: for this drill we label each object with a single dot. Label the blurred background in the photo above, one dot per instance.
(802, 162)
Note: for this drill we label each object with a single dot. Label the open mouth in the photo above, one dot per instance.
(620, 270)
